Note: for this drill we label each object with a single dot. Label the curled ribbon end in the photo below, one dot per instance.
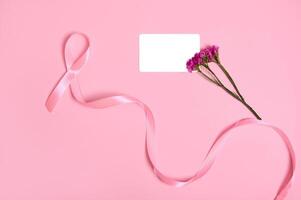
(49, 106)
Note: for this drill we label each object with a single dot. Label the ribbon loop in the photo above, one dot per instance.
(74, 66)
(76, 51)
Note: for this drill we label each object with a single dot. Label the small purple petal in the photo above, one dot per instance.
(214, 50)
(202, 54)
(206, 54)
(190, 65)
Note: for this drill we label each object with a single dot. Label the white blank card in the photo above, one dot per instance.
(166, 52)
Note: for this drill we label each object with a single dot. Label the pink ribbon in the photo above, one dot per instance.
(69, 78)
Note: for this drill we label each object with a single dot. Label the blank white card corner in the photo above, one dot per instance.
(166, 52)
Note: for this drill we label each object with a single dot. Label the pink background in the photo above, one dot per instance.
(78, 153)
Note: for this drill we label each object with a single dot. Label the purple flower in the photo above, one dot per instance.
(190, 65)
(206, 55)
(197, 59)
(202, 55)
(214, 50)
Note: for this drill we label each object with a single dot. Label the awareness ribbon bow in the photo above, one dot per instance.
(69, 78)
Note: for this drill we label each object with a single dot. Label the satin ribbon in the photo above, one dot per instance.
(69, 79)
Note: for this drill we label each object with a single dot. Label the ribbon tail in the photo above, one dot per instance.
(59, 90)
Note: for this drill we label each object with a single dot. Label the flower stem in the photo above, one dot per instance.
(237, 96)
(242, 101)
(230, 79)
(214, 81)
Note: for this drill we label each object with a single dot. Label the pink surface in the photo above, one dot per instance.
(79, 153)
